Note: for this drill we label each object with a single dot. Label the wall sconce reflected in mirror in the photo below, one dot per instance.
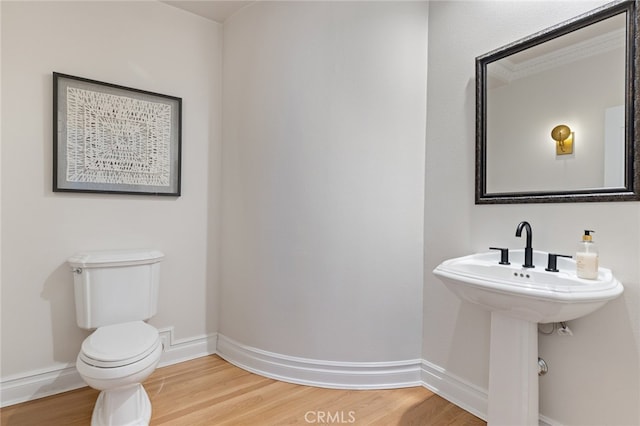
(563, 136)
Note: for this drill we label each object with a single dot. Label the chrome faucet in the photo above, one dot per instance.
(528, 250)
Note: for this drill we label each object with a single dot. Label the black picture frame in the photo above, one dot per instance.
(114, 139)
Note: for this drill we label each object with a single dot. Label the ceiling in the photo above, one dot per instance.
(211, 9)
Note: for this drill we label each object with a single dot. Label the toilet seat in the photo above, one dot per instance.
(119, 344)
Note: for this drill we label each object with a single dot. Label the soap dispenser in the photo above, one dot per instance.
(587, 257)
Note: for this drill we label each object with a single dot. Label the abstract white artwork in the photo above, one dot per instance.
(115, 139)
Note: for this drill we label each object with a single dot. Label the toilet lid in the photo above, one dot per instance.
(120, 344)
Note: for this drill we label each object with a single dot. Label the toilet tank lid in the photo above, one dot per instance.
(106, 258)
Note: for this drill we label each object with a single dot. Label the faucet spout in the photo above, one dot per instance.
(528, 250)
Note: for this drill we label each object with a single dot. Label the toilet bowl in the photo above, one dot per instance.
(115, 359)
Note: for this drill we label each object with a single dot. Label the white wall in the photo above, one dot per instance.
(145, 45)
(323, 169)
(594, 376)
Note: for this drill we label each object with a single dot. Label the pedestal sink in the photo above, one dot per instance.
(519, 298)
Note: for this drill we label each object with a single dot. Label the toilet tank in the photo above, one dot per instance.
(115, 286)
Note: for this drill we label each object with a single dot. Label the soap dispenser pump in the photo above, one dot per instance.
(587, 257)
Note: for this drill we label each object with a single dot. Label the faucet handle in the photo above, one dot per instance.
(504, 255)
(552, 263)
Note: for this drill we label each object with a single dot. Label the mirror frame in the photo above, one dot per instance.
(631, 190)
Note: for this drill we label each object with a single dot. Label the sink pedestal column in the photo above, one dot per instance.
(513, 372)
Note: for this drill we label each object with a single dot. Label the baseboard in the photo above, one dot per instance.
(454, 389)
(38, 384)
(180, 350)
(546, 421)
(41, 383)
(311, 372)
(465, 395)
(326, 374)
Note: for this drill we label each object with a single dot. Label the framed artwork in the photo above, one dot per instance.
(114, 139)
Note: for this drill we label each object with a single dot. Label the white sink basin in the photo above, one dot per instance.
(530, 294)
(518, 299)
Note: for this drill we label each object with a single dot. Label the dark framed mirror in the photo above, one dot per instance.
(557, 113)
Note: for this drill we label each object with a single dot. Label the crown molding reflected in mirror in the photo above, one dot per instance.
(582, 73)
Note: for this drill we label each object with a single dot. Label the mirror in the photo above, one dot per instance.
(555, 113)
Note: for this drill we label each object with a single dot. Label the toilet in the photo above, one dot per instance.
(115, 293)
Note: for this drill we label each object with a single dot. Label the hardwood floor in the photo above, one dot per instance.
(209, 391)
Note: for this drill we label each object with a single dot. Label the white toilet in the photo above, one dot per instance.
(115, 292)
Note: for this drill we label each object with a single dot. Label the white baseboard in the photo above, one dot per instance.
(327, 374)
(41, 383)
(311, 372)
(546, 421)
(465, 395)
(38, 384)
(454, 389)
(176, 351)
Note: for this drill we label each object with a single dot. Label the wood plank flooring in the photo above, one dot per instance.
(209, 391)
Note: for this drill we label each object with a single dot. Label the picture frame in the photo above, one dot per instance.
(114, 139)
